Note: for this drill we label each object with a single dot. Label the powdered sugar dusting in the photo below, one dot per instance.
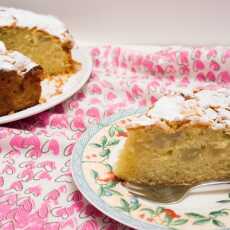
(52, 87)
(210, 107)
(211, 98)
(172, 104)
(27, 19)
(48, 89)
(15, 61)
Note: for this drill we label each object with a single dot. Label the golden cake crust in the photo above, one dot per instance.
(19, 81)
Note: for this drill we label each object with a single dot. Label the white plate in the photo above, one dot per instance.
(71, 86)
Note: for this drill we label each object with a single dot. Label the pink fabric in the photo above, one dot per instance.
(36, 187)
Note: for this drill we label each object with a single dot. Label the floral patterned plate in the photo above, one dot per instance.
(92, 166)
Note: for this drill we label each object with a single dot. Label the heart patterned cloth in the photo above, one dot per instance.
(36, 186)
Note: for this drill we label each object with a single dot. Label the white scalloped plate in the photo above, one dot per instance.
(71, 86)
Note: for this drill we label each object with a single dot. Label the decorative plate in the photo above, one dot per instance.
(92, 166)
(70, 85)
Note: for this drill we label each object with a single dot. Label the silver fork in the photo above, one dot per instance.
(169, 194)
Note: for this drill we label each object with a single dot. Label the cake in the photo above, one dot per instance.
(19, 81)
(42, 38)
(182, 140)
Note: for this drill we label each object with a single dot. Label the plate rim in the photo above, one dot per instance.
(84, 188)
(86, 70)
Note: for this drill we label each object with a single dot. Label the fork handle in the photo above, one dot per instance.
(225, 185)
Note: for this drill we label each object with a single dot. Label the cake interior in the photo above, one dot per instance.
(43, 48)
(17, 92)
(188, 155)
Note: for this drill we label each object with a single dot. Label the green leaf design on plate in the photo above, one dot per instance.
(124, 205)
(159, 210)
(151, 212)
(112, 131)
(114, 192)
(167, 219)
(224, 201)
(134, 204)
(101, 191)
(218, 213)
(104, 140)
(218, 223)
(111, 184)
(109, 167)
(104, 192)
(119, 129)
(195, 215)
(113, 141)
(202, 221)
(179, 222)
(105, 153)
(94, 174)
(107, 192)
(96, 145)
(212, 217)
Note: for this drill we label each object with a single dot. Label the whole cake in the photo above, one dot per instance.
(43, 38)
(19, 81)
(182, 139)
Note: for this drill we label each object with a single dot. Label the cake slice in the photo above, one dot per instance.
(43, 38)
(19, 81)
(182, 139)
